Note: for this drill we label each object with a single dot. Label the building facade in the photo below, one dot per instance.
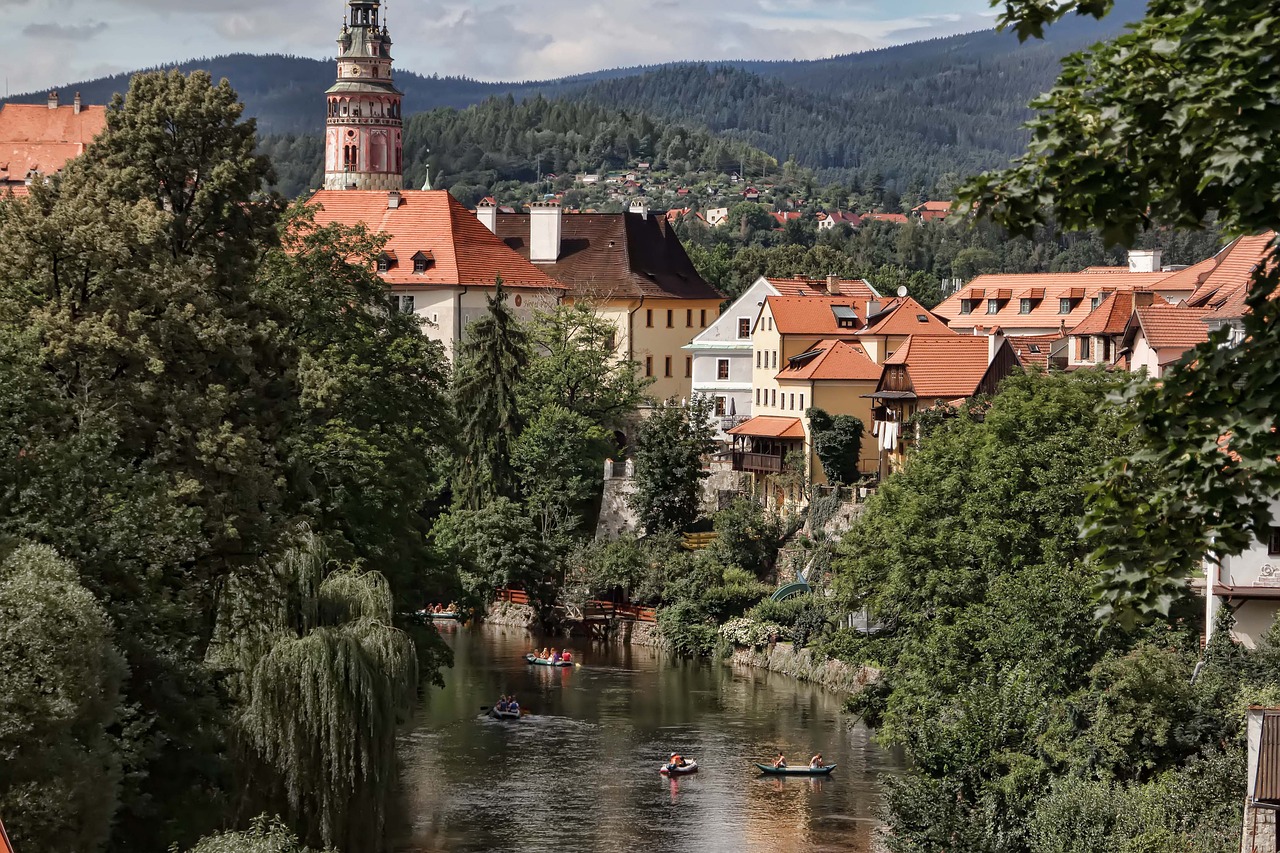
(37, 140)
(363, 145)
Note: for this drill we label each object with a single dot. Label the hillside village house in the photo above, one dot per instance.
(439, 261)
(827, 221)
(632, 269)
(39, 139)
(1099, 338)
(722, 353)
(931, 211)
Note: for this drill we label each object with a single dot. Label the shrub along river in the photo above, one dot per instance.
(580, 771)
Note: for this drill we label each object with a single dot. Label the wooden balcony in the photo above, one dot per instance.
(757, 463)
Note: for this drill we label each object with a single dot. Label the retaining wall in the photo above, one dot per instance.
(515, 615)
(801, 663)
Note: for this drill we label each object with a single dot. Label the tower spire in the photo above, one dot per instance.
(363, 146)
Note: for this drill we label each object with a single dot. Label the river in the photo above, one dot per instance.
(580, 772)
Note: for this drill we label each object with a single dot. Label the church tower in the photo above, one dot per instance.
(362, 136)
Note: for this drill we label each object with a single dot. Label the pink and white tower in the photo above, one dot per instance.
(363, 149)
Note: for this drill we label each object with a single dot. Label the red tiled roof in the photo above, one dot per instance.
(943, 206)
(464, 251)
(1224, 286)
(831, 360)
(908, 317)
(1079, 287)
(812, 315)
(782, 217)
(36, 138)
(1113, 313)
(943, 367)
(615, 256)
(1170, 327)
(767, 426)
(1033, 350)
(855, 287)
(900, 218)
(5, 845)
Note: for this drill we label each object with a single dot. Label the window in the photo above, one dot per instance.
(744, 327)
(1273, 542)
(1094, 303)
(671, 319)
(1064, 305)
(404, 303)
(688, 318)
(771, 324)
(422, 261)
(722, 369)
(702, 318)
(688, 367)
(1024, 306)
(1106, 350)
(758, 353)
(1082, 349)
(648, 365)
(773, 397)
(666, 367)
(720, 407)
(611, 342)
(384, 263)
(966, 306)
(802, 402)
(775, 358)
(648, 317)
(793, 402)
(993, 306)
(757, 396)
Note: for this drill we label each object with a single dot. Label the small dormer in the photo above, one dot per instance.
(423, 261)
(845, 316)
(386, 260)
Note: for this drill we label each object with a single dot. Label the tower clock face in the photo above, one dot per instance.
(355, 71)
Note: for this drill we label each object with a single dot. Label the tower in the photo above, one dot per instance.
(362, 134)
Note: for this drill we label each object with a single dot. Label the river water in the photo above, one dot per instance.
(580, 772)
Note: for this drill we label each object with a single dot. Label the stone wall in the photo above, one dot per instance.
(1259, 830)
(834, 675)
(616, 515)
(643, 634)
(515, 615)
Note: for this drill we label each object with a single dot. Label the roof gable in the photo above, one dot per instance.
(908, 317)
(943, 367)
(814, 315)
(1112, 314)
(831, 360)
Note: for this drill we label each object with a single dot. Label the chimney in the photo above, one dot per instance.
(1144, 260)
(544, 232)
(393, 199)
(640, 206)
(994, 341)
(53, 100)
(487, 213)
(833, 285)
(873, 308)
(77, 103)
(1143, 298)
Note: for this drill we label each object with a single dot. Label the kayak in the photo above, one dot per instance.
(770, 770)
(533, 659)
(689, 767)
(504, 715)
(447, 614)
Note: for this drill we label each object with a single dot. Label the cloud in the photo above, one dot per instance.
(64, 32)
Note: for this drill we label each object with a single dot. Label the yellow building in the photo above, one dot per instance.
(631, 268)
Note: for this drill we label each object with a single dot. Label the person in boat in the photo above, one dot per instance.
(566, 657)
(677, 760)
(513, 706)
(555, 656)
(502, 704)
(815, 763)
(780, 761)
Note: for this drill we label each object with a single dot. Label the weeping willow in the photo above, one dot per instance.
(323, 679)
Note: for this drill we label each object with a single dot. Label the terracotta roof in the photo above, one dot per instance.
(766, 426)
(1175, 328)
(900, 218)
(431, 221)
(813, 315)
(908, 317)
(1112, 315)
(855, 287)
(1079, 287)
(943, 367)
(943, 206)
(1224, 285)
(36, 138)
(615, 255)
(782, 217)
(5, 845)
(1033, 350)
(831, 360)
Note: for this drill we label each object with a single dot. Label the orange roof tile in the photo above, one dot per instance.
(908, 317)
(900, 218)
(5, 845)
(1225, 287)
(766, 426)
(813, 315)
(1112, 314)
(36, 138)
(1170, 327)
(943, 367)
(463, 249)
(831, 360)
(800, 286)
(1044, 313)
(1033, 350)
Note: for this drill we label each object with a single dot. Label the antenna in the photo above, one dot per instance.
(902, 290)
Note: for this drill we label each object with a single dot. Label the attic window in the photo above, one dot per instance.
(1024, 306)
(922, 318)
(1064, 305)
(1033, 348)
(386, 261)
(845, 316)
(966, 306)
(423, 261)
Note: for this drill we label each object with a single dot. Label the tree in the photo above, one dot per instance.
(837, 442)
(491, 362)
(264, 836)
(1181, 96)
(558, 460)
(61, 783)
(495, 546)
(670, 446)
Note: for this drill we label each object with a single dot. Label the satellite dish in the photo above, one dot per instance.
(902, 290)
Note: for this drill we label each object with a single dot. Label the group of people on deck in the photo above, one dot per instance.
(815, 763)
(555, 656)
(507, 703)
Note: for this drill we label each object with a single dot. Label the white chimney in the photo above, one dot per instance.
(487, 213)
(393, 199)
(544, 232)
(994, 342)
(77, 103)
(1144, 260)
(873, 308)
(640, 206)
(833, 285)
(53, 100)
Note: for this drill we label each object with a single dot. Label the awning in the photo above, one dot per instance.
(1004, 294)
(1033, 293)
(766, 426)
(1075, 293)
(892, 395)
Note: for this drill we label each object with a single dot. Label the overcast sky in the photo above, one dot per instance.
(54, 42)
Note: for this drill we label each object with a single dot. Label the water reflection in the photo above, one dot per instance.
(581, 771)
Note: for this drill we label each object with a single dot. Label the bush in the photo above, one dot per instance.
(782, 612)
(745, 631)
(688, 629)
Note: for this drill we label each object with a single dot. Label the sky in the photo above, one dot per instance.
(48, 43)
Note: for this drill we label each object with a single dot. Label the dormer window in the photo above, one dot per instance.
(1064, 305)
(386, 261)
(845, 316)
(1024, 306)
(423, 261)
(966, 306)
(993, 306)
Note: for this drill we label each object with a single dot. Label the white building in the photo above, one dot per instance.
(716, 216)
(1249, 584)
(722, 353)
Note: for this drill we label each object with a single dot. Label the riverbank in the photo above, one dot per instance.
(802, 664)
(511, 615)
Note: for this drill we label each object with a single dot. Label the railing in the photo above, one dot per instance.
(607, 609)
(513, 596)
(758, 463)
